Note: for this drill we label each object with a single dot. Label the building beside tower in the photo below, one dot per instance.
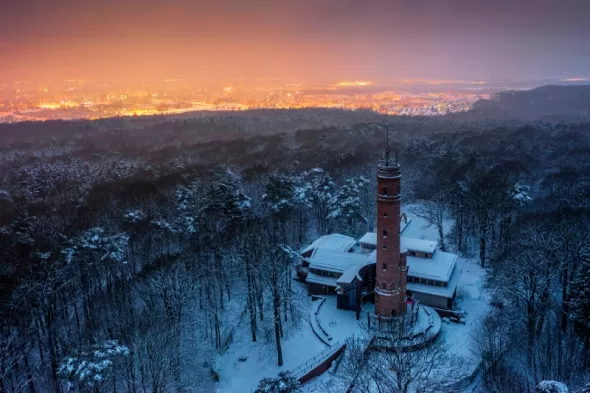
(383, 267)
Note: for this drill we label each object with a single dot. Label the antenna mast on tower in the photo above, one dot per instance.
(387, 146)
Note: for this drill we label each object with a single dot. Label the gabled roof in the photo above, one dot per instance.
(334, 241)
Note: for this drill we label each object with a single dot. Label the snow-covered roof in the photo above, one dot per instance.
(419, 245)
(369, 238)
(408, 243)
(447, 291)
(439, 267)
(334, 241)
(335, 261)
(323, 280)
(349, 275)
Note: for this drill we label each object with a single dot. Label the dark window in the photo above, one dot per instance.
(385, 247)
(384, 192)
(384, 233)
(385, 215)
(384, 266)
(384, 286)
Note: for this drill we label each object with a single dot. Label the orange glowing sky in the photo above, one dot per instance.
(309, 40)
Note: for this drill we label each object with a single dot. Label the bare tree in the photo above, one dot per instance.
(391, 367)
(435, 211)
(490, 341)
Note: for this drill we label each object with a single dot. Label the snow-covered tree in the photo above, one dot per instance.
(347, 206)
(97, 241)
(489, 201)
(579, 307)
(224, 204)
(277, 270)
(284, 383)
(286, 200)
(519, 192)
(524, 275)
(134, 216)
(551, 387)
(319, 192)
(22, 229)
(188, 205)
(280, 195)
(89, 368)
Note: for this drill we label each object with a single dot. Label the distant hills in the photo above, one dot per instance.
(551, 103)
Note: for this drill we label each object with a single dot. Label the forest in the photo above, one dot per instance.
(131, 249)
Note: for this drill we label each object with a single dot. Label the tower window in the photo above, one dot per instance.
(385, 215)
(384, 286)
(385, 233)
(385, 247)
(384, 192)
(384, 266)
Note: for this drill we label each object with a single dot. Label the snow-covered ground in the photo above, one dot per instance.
(340, 324)
(301, 345)
(471, 296)
(238, 376)
(472, 299)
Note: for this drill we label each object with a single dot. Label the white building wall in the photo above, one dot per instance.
(431, 300)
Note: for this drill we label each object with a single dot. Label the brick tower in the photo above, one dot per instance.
(391, 268)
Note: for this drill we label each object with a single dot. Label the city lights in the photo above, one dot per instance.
(77, 99)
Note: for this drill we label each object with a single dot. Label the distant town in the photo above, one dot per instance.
(83, 99)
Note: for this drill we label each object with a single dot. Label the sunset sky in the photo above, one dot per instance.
(300, 40)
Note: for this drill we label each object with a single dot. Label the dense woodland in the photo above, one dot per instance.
(132, 249)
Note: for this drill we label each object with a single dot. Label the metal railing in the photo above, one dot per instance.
(318, 359)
